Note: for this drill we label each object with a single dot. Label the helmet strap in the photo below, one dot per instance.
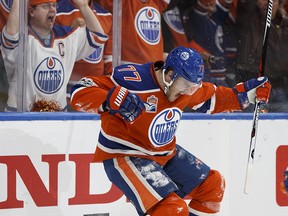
(167, 85)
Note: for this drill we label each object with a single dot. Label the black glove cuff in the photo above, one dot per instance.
(104, 106)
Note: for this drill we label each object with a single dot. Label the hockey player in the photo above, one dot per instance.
(141, 107)
(52, 51)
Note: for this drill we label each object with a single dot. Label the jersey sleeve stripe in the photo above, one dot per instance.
(96, 39)
(9, 41)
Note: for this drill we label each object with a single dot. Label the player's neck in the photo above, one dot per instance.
(159, 78)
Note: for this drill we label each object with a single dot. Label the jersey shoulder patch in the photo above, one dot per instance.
(134, 77)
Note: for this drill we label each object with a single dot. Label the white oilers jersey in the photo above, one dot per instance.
(49, 62)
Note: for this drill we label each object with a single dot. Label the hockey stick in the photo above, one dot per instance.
(251, 155)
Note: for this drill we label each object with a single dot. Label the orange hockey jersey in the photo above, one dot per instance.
(141, 30)
(152, 135)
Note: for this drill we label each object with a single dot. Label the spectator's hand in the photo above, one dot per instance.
(254, 89)
(127, 104)
(80, 3)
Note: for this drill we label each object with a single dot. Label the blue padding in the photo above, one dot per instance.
(27, 116)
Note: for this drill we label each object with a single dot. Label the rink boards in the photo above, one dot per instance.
(46, 168)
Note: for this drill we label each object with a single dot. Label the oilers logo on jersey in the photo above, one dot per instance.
(172, 18)
(49, 75)
(219, 38)
(96, 56)
(163, 127)
(147, 25)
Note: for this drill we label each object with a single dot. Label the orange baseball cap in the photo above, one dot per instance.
(36, 2)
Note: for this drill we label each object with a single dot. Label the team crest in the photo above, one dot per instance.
(219, 38)
(184, 56)
(49, 75)
(163, 127)
(172, 18)
(95, 57)
(147, 25)
(151, 104)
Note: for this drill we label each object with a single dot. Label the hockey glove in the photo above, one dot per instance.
(127, 104)
(250, 91)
